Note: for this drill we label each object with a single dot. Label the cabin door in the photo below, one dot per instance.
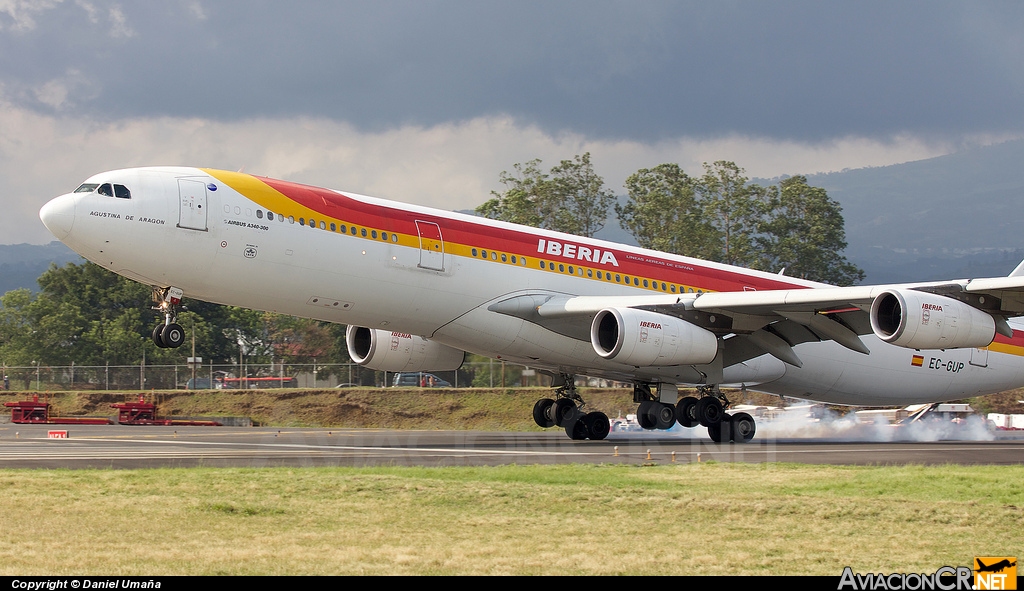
(192, 204)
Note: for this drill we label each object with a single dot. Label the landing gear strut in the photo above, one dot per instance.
(566, 411)
(168, 335)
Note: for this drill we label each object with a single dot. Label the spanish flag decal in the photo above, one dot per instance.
(917, 361)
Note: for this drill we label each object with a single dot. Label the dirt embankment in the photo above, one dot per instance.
(388, 408)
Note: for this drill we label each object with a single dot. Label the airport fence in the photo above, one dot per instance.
(486, 374)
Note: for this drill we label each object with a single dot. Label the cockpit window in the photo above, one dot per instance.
(87, 188)
(109, 190)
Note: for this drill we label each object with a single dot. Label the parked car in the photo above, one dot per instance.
(419, 379)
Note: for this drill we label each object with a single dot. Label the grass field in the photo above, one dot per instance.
(680, 519)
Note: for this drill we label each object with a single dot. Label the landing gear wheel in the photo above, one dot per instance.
(597, 425)
(173, 336)
(743, 427)
(157, 340)
(664, 416)
(645, 415)
(542, 413)
(686, 412)
(709, 411)
(564, 411)
(576, 429)
(715, 433)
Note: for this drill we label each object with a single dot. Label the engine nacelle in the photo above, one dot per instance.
(920, 320)
(642, 338)
(384, 350)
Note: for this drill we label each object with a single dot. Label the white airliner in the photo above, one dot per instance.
(418, 287)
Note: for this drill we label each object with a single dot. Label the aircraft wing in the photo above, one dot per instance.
(773, 321)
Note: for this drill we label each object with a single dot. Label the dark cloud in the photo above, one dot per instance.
(642, 70)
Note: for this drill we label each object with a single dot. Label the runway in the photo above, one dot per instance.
(115, 446)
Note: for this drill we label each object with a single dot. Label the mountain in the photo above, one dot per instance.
(948, 217)
(22, 264)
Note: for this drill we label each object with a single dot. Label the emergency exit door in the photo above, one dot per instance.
(431, 246)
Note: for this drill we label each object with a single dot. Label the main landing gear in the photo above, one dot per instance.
(567, 411)
(709, 411)
(168, 335)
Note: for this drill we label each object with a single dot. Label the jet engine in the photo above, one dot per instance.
(384, 350)
(920, 320)
(642, 338)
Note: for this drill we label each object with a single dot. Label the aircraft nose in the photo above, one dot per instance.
(58, 215)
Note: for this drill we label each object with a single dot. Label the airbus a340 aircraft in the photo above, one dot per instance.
(418, 287)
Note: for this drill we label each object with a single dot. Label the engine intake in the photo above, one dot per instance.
(384, 350)
(920, 320)
(642, 338)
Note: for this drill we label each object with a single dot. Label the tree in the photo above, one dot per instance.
(723, 217)
(525, 198)
(662, 213)
(734, 208)
(803, 233)
(579, 202)
(571, 198)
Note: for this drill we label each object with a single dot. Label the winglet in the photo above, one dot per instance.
(1018, 271)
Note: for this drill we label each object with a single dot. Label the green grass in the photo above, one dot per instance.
(577, 519)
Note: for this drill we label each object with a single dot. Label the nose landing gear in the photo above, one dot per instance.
(168, 335)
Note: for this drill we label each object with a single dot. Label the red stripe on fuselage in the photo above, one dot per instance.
(644, 264)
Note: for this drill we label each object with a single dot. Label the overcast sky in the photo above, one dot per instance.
(427, 102)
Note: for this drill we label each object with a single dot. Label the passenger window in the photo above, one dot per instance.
(323, 226)
(122, 192)
(394, 237)
(571, 271)
(333, 227)
(373, 234)
(513, 259)
(542, 264)
(494, 256)
(363, 232)
(259, 214)
(384, 236)
(474, 251)
(483, 253)
(637, 281)
(106, 189)
(561, 268)
(504, 258)
(302, 221)
(291, 219)
(645, 283)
